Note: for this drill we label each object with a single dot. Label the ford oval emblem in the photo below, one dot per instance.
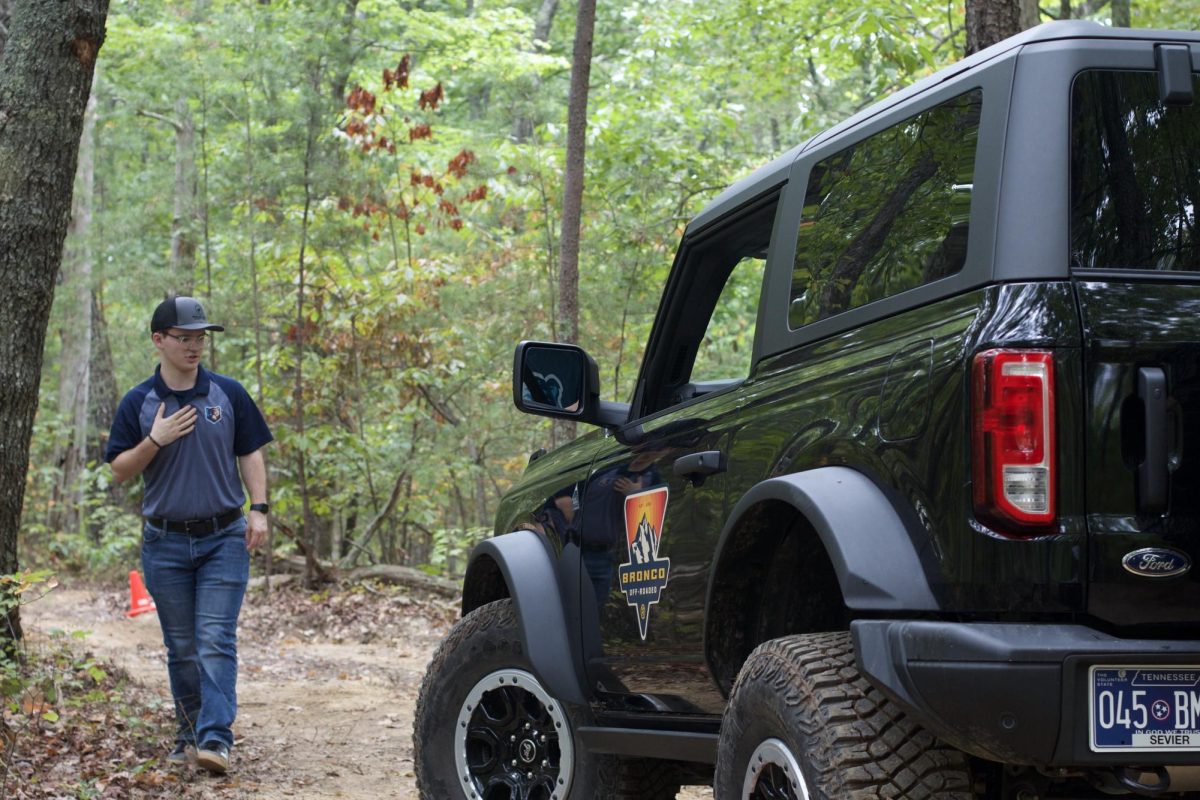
(1157, 562)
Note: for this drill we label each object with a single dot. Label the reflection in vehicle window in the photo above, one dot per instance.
(1135, 175)
(888, 213)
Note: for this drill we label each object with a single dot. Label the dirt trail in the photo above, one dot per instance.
(317, 718)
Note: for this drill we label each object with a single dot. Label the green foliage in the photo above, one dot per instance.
(423, 265)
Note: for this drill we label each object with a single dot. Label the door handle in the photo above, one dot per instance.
(1152, 472)
(698, 466)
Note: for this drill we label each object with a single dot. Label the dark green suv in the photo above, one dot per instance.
(907, 498)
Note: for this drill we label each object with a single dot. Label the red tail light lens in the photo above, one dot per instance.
(1012, 438)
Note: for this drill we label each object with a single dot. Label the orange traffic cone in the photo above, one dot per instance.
(139, 600)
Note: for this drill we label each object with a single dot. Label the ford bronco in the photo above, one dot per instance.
(906, 500)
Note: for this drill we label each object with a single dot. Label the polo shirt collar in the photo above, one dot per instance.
(199, 389)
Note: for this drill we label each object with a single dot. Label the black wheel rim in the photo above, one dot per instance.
(512, 741)
(773, 773)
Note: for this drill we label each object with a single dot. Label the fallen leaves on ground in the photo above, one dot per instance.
(82, 728)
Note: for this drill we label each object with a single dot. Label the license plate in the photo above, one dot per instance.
(1142, 709)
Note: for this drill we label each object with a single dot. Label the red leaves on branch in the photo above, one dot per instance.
(459, 164)
(399, 78)
(421, 131)
(456, 224)
(431, 98)
(420, 229)
(361, 100)
(477, 194)
(448, 207)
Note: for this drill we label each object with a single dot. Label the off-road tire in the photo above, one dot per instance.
(849, 741)
(481, 643)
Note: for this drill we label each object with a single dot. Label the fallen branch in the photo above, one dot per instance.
(314, 566)
(404, 576)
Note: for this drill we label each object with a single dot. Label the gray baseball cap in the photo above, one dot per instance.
(185, 313)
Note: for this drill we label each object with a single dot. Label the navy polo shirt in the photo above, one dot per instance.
(196, 476)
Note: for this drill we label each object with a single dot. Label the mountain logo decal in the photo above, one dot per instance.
(644, 576)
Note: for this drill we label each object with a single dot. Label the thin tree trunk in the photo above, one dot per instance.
(1031, 14)
(183, 216)
(256, 306)
(50, 44)
(76, 358)
(1121, 16)
(308, 532)
(568, 263)
(990, 21)
(103, 396)
(482, 518)
(183, 234)
(524, 123)
(202, 216)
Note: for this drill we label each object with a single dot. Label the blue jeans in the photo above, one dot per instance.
(197, 583)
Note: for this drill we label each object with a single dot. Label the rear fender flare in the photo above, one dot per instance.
(872, 551)
(527, 566)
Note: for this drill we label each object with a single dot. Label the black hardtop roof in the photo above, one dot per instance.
(771, 175)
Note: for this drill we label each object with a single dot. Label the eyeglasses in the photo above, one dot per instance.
(187, 341)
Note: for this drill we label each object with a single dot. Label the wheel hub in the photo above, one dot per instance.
(774, 774)
(513, 741)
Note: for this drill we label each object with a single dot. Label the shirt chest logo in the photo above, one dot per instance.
(212, 414)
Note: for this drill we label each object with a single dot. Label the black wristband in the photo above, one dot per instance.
(150, 436)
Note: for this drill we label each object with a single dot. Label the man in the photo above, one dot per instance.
(189, 432)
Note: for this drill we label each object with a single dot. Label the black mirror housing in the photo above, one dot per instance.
(551, 379)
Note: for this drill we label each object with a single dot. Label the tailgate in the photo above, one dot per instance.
(1136, 259)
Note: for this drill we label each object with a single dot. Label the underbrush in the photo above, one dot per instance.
(72, 725)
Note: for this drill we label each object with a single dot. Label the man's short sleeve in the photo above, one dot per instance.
(126, 431)
(250, 428)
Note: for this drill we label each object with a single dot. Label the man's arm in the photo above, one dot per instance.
(165, 430)
(254, 474)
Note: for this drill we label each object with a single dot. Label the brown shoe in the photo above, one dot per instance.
(214, 757)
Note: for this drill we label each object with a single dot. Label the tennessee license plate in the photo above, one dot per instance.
(1139, 709)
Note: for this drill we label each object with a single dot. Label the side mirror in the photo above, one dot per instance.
(555, 380)
(561, 380)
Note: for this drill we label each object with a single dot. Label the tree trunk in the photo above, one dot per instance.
(1121, 16)
(183, 220)
(568, 253)
(990, 21)
(523, 125)
(1031, 14)
(50, 44)
(103, 396)
(308, 533)
(75, 362)
(255, 300)
(183, 216)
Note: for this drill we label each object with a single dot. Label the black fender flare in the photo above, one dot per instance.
(528, 567)
(872, 550)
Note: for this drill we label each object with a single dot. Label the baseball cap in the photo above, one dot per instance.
(181, 312)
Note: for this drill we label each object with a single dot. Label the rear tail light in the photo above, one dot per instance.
(1012, 438)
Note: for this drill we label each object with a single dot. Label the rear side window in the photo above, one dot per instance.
(1135, 175)
(888, 214)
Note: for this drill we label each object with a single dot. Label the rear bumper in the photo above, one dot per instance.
(1013, 693)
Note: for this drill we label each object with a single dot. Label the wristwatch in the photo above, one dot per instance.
(261, 507)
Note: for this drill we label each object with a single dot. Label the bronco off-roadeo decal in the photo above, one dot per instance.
(644, 576)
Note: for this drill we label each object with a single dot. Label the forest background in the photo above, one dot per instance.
(366, 193)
